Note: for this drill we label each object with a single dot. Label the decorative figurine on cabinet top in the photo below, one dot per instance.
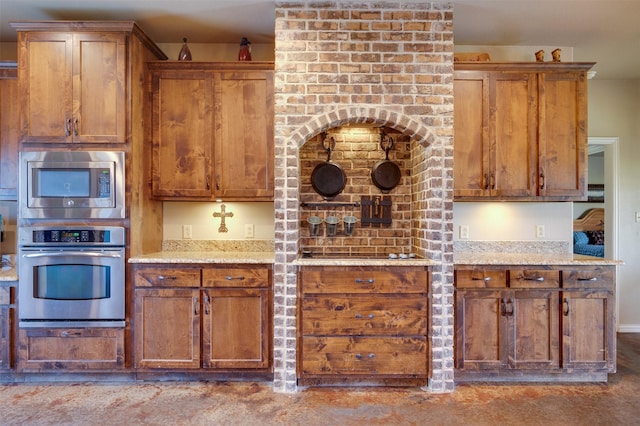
(540, 56)
(185, 53)
(556, 55)
(245, 50)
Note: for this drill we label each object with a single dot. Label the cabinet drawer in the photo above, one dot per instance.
(167, 277)
(481, 278)
(364, 315)
(368, 280)
(534, 278)
(364, 356)
(236, 277)
(71, 349)
(589, 277)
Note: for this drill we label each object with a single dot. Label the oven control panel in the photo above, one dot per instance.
(71, 236)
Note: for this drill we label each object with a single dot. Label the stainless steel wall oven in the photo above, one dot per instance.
(71, 276)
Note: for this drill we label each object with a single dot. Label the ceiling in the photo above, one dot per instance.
(602, 31)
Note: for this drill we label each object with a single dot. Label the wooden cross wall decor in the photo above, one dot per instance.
(222, 215)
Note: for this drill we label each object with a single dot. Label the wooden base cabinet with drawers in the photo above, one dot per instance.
(542, 322)
(201, 317)
(363, 324)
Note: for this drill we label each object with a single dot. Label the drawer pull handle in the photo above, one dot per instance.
(171, 277)
(76, 125)
(370, 316)
(565, 311)
(588, 279)
(481, 279)
(540, 279)
(196, 306)
(360, 281)
(69, 333)
(67, 127)
(207, 304)
(370, 356)
(230, 278)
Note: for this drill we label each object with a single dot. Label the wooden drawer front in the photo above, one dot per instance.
(70, 349)
(5, 295)
(167, 277)
(364, 316)
(356, 279)
(534, 278)
(481, 278)
(236, 277)
(364, 356)
(589, 277)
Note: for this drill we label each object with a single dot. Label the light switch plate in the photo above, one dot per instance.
(187, 232)
(540, 231)
(464, 232)
(248, 230)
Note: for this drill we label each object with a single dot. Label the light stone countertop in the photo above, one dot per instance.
(205, 257)
(498, 258)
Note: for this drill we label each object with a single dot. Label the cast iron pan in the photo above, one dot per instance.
(328, 178)
(386, 174)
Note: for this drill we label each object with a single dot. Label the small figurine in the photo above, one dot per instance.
(540, 56)
(245, 50)
(556, 55)
(185, 53)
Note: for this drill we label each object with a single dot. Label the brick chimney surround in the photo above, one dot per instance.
(379, 63)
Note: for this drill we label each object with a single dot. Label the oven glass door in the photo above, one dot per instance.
(71, 285)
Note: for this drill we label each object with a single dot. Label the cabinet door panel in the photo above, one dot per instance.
(481, 332)
(471, 127)
(536, 330)
(563, 138)
(236, 328)
(182, 136)
(99, 88)
(167, 328)
(6, 343)
(513, 134)
(47, 87)
(588, 337)
(244, 135)
(9, 130)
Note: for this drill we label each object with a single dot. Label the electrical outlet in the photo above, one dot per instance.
(248, 230)
(540, 231)
(187, 232)
(464, 232)
(637, 217)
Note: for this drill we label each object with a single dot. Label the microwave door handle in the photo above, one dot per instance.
(70, 253)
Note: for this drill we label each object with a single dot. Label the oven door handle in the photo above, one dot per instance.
(71, 253)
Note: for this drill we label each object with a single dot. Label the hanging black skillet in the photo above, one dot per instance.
(386, 174)
(328, 178)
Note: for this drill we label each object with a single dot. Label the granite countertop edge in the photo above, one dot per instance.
(204, 257)
(530, 259)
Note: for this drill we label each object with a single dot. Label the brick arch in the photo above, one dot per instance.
(365, 115)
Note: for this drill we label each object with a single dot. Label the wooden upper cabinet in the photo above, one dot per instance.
(244, 135)
(212, 130)
(182, 133)
(8, 133)
(73, 87)
(520, 131)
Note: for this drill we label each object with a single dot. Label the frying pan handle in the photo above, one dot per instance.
(328, 143)
(386, 146)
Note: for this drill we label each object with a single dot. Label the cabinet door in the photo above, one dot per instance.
(46, 87)
(9, 124)
(167, 328)
(534, 330)
(481, 329)
(236, 328)
(513, 134)
(588, 330)
(74, 87)
(471, 133)
(244, 135)
(182, 133)
(6, 343)
(99, 87)
(562, 134)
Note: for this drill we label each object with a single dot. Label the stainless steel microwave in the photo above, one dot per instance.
(72, 185)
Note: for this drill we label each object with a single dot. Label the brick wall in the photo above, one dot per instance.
(366, 64)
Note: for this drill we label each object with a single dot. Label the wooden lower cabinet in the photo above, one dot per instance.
(77, 349)
(203, 318)
(7, 324)
(520, 324)
(364, 324)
